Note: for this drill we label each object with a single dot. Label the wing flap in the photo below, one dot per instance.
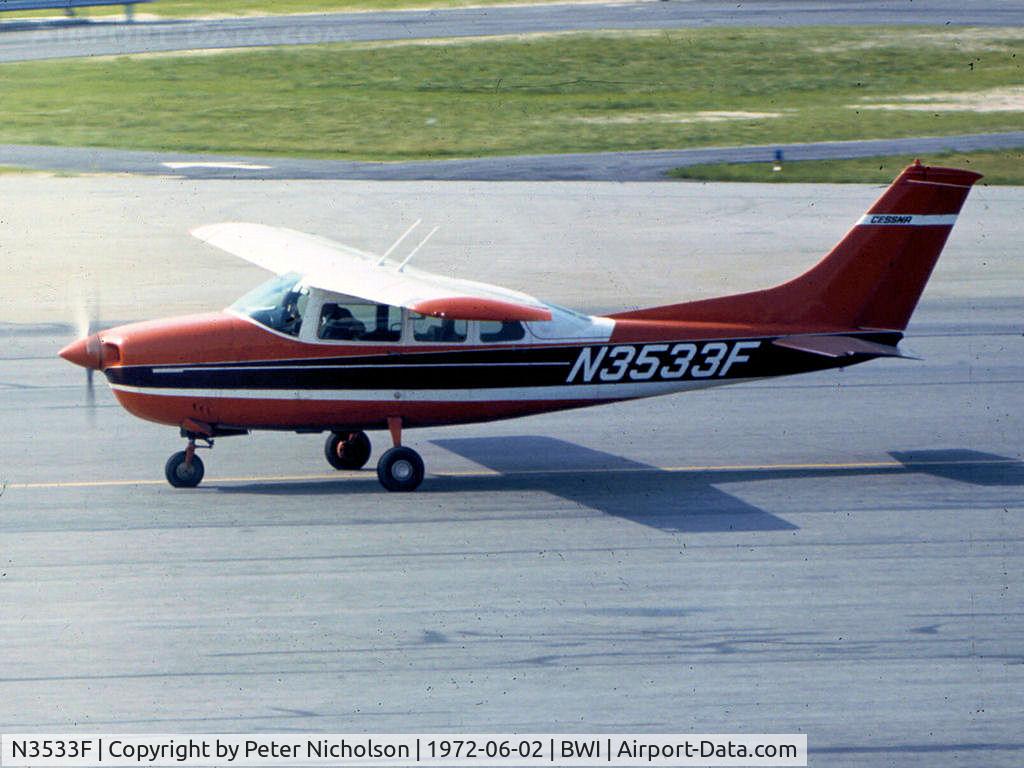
(837, 346)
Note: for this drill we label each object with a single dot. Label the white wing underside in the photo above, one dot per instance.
(342, 269)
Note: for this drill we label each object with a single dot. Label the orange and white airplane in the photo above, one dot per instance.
(342, 341)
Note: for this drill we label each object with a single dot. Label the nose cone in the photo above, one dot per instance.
(84, 352)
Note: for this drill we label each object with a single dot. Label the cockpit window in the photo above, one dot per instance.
(359, 321)
(494, 330)
(277, 304)
(438, 329)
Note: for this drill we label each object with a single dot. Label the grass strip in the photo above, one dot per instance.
(580, 92)
(1004, 167)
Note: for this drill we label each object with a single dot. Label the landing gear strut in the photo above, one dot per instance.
(399, 469)
(347, 450)
(184, 469)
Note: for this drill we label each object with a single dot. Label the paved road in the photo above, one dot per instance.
(20, 41)
(838, 554)
(597, 166)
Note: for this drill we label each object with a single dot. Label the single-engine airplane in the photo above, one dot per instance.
(343, 341)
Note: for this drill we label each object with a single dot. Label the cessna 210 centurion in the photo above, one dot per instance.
(343, 341)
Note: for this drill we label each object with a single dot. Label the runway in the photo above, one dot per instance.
(837, 554)
(651, 165)
(20, 41)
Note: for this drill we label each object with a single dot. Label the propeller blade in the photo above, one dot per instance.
(90, 397)
(85, 321)
(82, 321)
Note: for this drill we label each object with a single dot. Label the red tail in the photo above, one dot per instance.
(871, 279)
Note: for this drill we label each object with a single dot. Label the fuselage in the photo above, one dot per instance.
(233, 370)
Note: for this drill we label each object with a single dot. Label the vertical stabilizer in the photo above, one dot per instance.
(872, 279)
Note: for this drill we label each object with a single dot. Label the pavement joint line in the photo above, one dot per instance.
(692, 469)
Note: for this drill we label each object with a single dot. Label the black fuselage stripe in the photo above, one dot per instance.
(488, 369)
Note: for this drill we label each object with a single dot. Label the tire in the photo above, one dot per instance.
(400, 469)
(347, 450)
(180, 477)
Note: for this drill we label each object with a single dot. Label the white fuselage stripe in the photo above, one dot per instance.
(286, 368)
(907, 220)
(616, 391)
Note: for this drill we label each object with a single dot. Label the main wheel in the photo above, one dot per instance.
(181, 476)
(400, 469)
(348, 450)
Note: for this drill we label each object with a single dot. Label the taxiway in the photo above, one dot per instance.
(650, 165)
(836, 554)
(20, 41)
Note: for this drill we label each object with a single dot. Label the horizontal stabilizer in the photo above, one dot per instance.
(838, 346)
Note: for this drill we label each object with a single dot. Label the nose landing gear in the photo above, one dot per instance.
(184, 469)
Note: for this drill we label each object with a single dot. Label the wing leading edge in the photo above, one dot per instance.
(342, 269)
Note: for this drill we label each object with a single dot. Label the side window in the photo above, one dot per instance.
(437, 329)
(359, 321)
(291, 312)
(493, 330)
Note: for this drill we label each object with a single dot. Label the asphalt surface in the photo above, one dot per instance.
(32, 40)
(837, 554)
(598, 166)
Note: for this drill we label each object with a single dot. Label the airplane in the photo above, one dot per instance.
(343, 341)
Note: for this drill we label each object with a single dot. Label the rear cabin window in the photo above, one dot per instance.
(359, 321)
(438, 329)
(493, 331)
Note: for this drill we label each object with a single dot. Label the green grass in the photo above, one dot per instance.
(998, 167)
(540, 94)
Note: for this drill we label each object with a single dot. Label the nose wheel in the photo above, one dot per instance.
(184, 469)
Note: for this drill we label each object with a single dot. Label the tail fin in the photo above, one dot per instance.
(872, 279)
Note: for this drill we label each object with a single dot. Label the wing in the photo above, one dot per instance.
(341, 269)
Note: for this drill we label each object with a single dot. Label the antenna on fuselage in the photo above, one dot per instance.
(398, 242)
(417, 248)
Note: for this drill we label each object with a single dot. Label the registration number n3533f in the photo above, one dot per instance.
(659, 362)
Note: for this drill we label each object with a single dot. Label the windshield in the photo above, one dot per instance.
(277, 304)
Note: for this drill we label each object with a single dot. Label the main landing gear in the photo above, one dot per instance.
(347, 450)
(400, 469)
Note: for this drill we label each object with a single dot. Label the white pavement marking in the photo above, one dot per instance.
(229, 166)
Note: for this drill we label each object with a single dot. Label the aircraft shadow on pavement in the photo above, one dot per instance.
(669, 500)
(683, 501)
(674, 502)
(974, 467)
